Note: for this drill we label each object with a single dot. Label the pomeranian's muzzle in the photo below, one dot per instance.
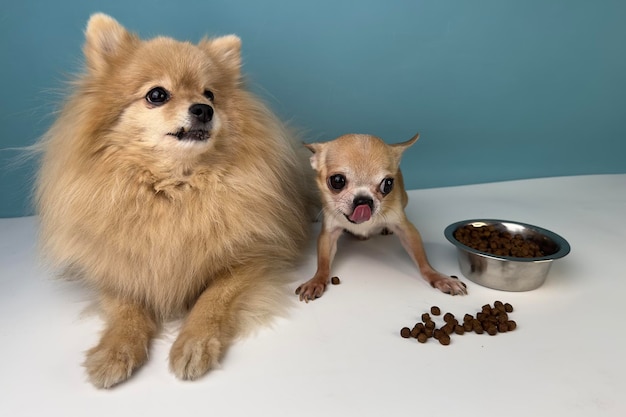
(202, 114)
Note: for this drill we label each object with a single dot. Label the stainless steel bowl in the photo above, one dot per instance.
(503, 272)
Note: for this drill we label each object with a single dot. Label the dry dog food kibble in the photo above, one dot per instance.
(497, 242)
(417, 329)
(444, 339)
(335, 281)
(448, 328)
(490, 319)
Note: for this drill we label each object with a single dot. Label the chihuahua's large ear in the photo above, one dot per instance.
(105, 39)
(226, 50)
(399, 148)
(314, 159)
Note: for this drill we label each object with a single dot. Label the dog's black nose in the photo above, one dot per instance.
(360, 200)
(202, 112)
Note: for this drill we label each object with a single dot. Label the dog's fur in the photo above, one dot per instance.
(363, 193)
(191, 199)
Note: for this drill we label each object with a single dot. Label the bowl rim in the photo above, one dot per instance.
(564, 247)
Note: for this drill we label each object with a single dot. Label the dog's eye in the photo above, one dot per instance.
(157, 96)
(209, 94)
(336, 182)
(386, 186)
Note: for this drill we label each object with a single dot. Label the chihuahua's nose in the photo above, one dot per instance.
(202, 112)
(360, 200)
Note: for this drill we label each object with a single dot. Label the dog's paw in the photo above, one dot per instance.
(449, 285)
(192, 356)
(109, 363)
(311, 290)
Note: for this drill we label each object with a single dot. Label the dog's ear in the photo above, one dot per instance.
(105, 39)
(226, 50)
(314, 159)
(313, 147)
(399, 148)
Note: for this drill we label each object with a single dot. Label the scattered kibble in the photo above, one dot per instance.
(447, 329)
(490, 319)
(417, 329)
(335, 281)
(405, 332)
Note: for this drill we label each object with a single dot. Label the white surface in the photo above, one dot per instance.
(342, 354)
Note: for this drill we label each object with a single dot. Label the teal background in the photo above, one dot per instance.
(499, 89)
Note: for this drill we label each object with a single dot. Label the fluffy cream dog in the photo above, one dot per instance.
(171, 190)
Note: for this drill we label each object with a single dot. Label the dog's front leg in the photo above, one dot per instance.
(412, 242)
(212, 324)
(124, 344)
(326, 249)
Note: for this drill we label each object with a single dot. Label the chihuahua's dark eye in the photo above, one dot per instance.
(386, 186)
(209, 94)
(336, 182)
(157, 96)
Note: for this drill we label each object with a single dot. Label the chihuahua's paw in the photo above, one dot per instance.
(449, 285)
(311, 289)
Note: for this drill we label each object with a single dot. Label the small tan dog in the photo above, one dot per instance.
(173, 192)
(363, 193)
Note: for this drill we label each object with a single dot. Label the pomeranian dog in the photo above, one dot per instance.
(362, 191)
(173, 192)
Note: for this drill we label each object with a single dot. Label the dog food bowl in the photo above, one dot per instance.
(508, 273)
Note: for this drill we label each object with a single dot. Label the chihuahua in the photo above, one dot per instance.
(363, 194)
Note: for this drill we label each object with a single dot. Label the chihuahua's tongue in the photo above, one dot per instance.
(361, 213)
